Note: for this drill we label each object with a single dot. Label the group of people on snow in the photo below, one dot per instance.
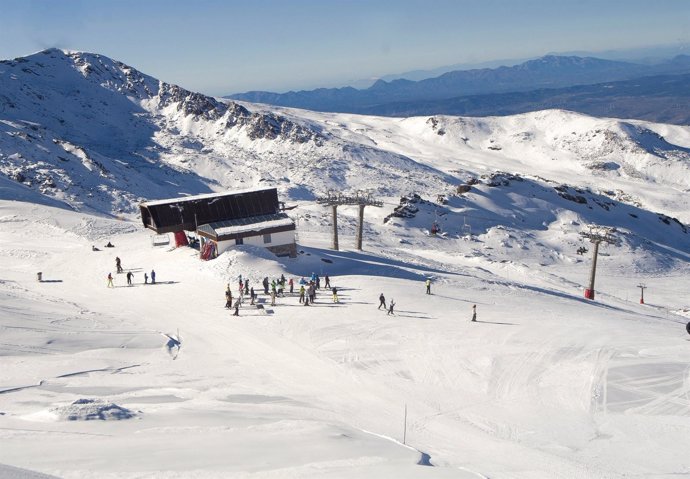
(129, 275)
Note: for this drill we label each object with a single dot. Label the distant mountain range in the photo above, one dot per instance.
(575, 83)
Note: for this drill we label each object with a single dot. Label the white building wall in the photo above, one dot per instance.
(277, 239)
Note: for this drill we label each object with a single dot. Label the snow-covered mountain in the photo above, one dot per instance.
(545, 384)
(98, 135)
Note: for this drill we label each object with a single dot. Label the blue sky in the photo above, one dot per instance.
(220, 47)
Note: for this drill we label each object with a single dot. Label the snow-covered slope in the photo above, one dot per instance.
(546, 384)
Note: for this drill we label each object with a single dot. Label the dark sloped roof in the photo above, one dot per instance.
(177, 214)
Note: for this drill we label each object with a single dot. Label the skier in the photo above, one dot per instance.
(146, 278)
(428, 286)
(118, 264)
(292, 285)
(335, 294)
(129, 278)
(110, 281)
(382, 301)
(318, 282)
(327, 282)
(474, 312)
(301, 294)
(237, 308)
(252, 295)
(273, 297)
(265, 283)
(153, 277)
(390, 308)
(246, 286)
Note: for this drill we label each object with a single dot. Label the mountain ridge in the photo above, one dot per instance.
(550, 71)
(99, 136)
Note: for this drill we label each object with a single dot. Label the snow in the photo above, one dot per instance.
(545, 384)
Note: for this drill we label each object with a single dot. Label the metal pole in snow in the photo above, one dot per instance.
(405, 426)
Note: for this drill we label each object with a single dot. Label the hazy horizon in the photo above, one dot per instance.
(220, 48)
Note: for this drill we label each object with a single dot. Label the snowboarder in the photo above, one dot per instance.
(109, 245)
(335, 294)
(93, 248)
(382, 301)
(110, 281)
(292, 285)
(118, 264)
(327, 281)
(129, 278)
(146, 278)
(474, 312)
(428, 286)
(153, 277)
(390, 308)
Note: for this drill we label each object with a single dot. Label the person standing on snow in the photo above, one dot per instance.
(390, 308)
(382, 301)
(110, 281)
(335, 294)
(474, 313)
(428, 286)
(129, 278)
(146, 278)
(301, 294)
(273, 297)
(228, 298)
(118, 264)
(153, 277)
(327, 281)
(292, 285)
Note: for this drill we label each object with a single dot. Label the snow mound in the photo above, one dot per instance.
(92, 409)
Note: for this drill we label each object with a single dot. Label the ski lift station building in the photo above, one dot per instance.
(223, 220)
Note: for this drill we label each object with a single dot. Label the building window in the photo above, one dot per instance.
(239, 241)
(267, 238)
